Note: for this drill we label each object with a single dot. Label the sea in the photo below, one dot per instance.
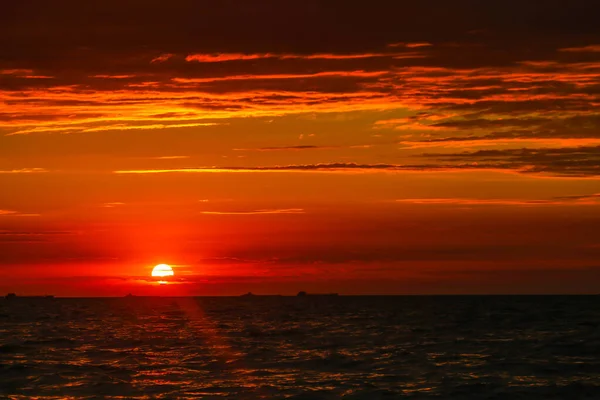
(344, 347)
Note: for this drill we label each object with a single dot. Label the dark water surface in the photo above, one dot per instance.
(472, 347)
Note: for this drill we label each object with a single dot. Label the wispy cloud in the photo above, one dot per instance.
(98, 127)
(410, 45)
(169, 157)
(437, 94)
(35, 233)
(18, 72)
(292, 148)
(24, 171)
(594, 48)
(278, 168)
(568, 162)
(113, 204)
(104, 76)
(162, 58)
(257, 212)
(283, 76)
(581, 198)
(223, 57)
(11, 213)
(518, 94)
(479, 142)
(593, 199)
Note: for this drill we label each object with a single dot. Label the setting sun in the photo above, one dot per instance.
(162, 270)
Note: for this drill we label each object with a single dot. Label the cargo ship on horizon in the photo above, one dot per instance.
(11, 296)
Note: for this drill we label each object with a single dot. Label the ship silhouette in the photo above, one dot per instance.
(304, 294)
(250, 294)
(300, 294)
(12, 296)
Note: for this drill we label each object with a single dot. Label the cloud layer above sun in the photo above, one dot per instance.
(302, 136)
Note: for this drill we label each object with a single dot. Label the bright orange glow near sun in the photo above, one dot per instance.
(162, 270)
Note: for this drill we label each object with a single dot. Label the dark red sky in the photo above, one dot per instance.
(273, 146)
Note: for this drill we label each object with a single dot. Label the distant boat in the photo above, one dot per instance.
(11, 296)
(304, 294)
(250, 294)
(129, 295)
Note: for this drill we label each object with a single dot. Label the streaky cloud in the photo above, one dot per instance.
(12, 213)
(25, 171)
(257, 212)
(566, 200)
(223, 57)
(594, 48)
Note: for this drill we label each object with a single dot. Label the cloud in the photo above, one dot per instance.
(113, 204)
(412, 45)
(25, 171)
(560, 129)
(593, 199)
(146, 71)
(162, 58)
(594, 48)
(169, 157)
(257, 212)
(226, 57)
(570, 161)
(429, 79)
(567, 162)
(550, 92)
(478, 142)
(11, 213)
(326, 167)
(293, 148)
(283, 76)
(581, 198)
(110, 127)
(35, 233)
(223, 57)
(18, 72)
(102, 76)
(41, 236)
(278, 168)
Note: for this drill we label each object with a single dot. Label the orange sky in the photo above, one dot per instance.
(320, 146)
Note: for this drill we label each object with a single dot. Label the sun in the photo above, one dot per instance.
(162, 270)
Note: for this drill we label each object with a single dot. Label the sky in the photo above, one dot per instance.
(380, 147)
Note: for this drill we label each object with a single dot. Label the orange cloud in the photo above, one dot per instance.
(162, 58)
(18, 72)
(25, 171)
(291, 148)
(170, 96)
(11, 213)
(574, 200)
(222, 57)
(411, 45)
(102, 76)
(595, 48)
(469, 142)
(113, 204)
(257, 212)
(169, 157)
(358, 73)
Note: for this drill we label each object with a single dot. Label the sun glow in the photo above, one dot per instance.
(162, 270)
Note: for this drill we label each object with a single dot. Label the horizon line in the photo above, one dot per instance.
(53, 297)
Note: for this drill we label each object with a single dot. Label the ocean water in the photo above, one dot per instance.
(429, 347)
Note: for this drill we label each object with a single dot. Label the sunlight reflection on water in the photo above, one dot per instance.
(346, 347)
